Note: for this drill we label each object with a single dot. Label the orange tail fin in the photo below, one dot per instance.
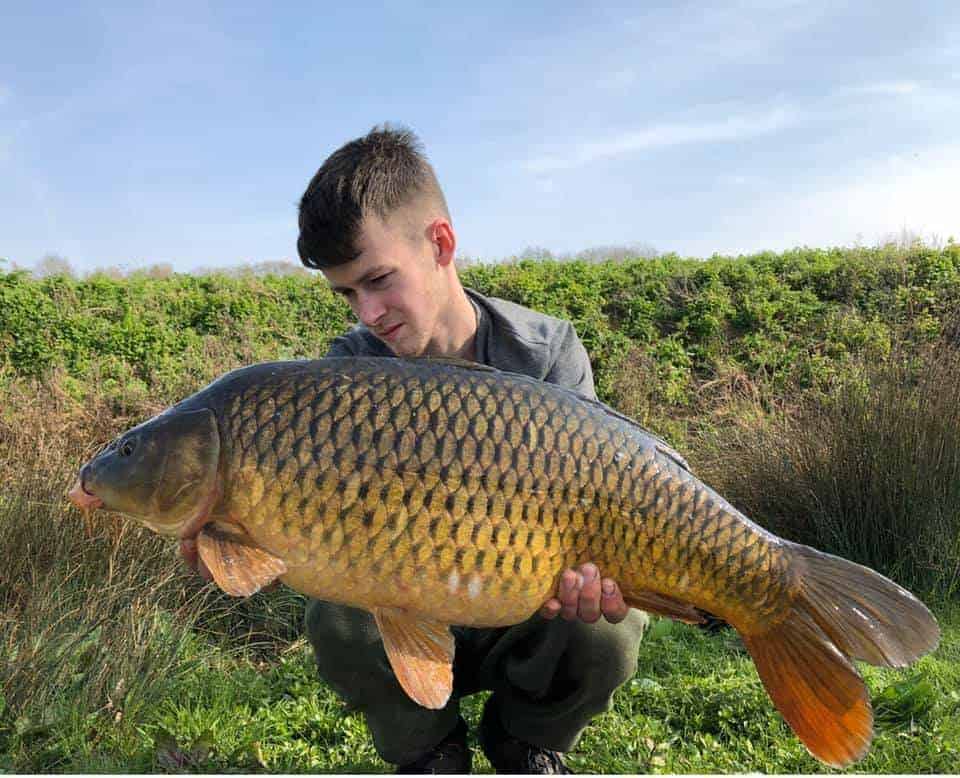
(842, 611)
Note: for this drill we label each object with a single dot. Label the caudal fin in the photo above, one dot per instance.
(843, 611)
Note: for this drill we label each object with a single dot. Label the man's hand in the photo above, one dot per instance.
(583, 595)
(188, 550)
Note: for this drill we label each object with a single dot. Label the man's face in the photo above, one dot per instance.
(395, 286)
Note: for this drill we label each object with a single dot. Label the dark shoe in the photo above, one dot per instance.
(711, 624)
(508, 754)
(451, 756)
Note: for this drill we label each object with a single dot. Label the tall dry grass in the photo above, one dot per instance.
(97, 619)
(869, 471)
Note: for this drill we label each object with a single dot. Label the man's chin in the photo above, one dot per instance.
(405, 347)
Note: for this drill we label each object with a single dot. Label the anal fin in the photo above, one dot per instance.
(421, 654)
(238, 566)
(664, 605)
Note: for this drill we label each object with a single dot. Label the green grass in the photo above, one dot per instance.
(116, 659)
(694, 706)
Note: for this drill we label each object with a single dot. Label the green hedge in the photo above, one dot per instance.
(781, 319)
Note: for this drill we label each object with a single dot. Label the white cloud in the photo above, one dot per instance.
(837, 104)
(731, 129)
(916, 192)
(937, 103)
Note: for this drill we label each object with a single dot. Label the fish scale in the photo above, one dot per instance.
(435, 493)
(483, 459)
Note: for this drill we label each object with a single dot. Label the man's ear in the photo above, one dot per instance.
(444, 240)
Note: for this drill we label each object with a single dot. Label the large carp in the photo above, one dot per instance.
(438, 492)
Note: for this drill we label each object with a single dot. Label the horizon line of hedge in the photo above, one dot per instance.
(776, 317)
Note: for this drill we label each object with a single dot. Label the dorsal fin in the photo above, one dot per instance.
(464, 364)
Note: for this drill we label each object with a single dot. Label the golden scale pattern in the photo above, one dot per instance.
(436, 477)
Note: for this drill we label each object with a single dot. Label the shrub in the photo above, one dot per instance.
(870, 471)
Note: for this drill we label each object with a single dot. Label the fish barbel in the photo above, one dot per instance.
(438, 492)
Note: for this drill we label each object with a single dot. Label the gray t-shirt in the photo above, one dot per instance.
(509, 337)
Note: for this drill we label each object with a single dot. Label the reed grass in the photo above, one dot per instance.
(869, 471)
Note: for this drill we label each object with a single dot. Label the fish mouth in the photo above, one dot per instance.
(84, 500)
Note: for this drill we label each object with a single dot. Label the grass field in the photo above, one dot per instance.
(694, 706)
(817, 389)
(117, 659)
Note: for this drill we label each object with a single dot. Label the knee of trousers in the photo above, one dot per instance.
(351, 660)
(606, 655)
(596, 660)
(346, 646)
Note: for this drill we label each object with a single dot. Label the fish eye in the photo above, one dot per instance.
(127, 447)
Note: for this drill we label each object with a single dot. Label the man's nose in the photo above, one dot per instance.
(370, 308)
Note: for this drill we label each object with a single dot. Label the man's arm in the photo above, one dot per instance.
(571, 365)
(340, 347)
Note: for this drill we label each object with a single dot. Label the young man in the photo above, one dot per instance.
(375, 222)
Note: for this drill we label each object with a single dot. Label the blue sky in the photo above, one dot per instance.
(186, 132)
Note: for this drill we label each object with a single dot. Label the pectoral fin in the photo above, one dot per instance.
(421, 654)
(238, 566)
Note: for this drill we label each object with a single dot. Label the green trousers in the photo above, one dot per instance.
(548, 678)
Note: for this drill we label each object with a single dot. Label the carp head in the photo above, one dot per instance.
(162, 472)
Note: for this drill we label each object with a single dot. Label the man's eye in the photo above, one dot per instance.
(380, 280)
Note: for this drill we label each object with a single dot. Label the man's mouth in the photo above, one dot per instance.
(390, 332)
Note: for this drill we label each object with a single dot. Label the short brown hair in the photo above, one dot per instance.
(376, 174)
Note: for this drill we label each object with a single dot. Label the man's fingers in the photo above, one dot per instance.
(570, 583)
(188, 550)
(551, 608)
(611, 602)
(589, 604)
(582, 594)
